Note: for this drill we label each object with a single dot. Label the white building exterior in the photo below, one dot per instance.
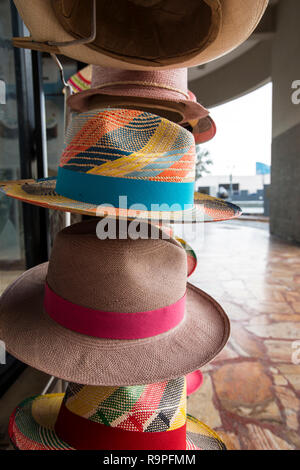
(245, 183)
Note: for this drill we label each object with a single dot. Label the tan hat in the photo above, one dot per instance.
(162, 92)
(112, 312)
(139, 34)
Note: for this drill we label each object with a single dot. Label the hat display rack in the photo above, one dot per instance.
(115, 317)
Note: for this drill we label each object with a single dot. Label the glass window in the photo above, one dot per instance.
(12, 257)
(54, 104)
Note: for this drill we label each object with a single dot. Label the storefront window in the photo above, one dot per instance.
(12, 256)
(30, 147)
(54, 104)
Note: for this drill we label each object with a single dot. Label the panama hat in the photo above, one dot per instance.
(126, 163)
(190, 256)
(81, 80)
(125, 315)
(139, 34)
(163, 92)
(203, 129)
(142, 417)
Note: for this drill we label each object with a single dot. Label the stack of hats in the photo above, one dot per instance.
(117, 319)
(112, 312)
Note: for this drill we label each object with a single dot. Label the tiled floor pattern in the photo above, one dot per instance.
(251, 391)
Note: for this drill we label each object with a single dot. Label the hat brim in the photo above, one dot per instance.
(191, 256)
(81, 80)
(194, 380)
(33, 337)
(179, 111)
(42, 193)
(31, 427)
(239, 19)
(146, 97)
(204, 128)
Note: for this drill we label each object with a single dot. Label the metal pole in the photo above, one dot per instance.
(49, 385)
(40, 115)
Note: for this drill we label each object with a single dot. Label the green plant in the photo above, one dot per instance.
(203, 160)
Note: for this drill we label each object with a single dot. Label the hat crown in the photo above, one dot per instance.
(174, 79)
(129, 144)
(160, 32)
(150, 408)
(120, 275)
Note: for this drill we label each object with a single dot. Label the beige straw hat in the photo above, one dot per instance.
(112, 312)
(139, 34)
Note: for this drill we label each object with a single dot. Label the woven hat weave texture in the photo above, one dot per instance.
(121, 275)
(129, 144)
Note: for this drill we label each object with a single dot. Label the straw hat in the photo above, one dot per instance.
(142, 417)
(139, 34)
(194, 380)
(81, 80)
(125, 316)
(190, 256)
(126, 163)
(163, 92)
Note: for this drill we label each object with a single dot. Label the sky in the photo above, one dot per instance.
(244, 128)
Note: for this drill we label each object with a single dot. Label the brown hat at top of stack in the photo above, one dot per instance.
(111, 312)
(139, 34)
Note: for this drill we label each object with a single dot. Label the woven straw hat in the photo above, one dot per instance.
(126, 163)
(194, 380)
(125, 316)
(191, 256)
(162, 92)
(81, 80)
(142, 417)
(139, 34)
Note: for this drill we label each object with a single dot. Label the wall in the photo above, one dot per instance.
(285, 176)
(250, 183)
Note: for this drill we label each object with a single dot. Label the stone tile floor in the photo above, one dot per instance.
(251, 390)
